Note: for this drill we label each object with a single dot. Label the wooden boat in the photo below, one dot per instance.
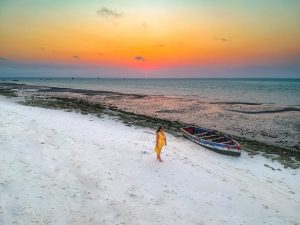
(212, 140)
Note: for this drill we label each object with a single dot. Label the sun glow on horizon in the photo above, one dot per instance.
(151, 35)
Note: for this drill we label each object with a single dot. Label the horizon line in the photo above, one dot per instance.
(145, 78)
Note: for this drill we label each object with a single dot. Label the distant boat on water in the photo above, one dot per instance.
(212, 140)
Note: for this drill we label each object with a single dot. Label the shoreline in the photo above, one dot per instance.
(66, 168)
(46, 98)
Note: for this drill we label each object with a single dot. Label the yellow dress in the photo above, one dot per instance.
(160, 142)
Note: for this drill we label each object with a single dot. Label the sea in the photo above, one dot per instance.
(284, 92)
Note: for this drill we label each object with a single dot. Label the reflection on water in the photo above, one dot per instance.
(277, 91)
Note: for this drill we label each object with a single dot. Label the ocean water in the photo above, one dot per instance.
(285, 92)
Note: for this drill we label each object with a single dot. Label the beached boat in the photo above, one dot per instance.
(212, 140)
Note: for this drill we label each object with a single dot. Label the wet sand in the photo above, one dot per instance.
(277, 128)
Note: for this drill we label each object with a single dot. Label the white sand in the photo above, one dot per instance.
(65, 168)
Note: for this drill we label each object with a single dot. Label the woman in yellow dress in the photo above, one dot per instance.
(160, 142)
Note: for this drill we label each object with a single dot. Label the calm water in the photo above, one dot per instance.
(277, 91)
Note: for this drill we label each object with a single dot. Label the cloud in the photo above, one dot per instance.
(106, 12)
(140, 58)
(145, 25)
(221, 39)
(42, 49)
(76, 57)
(159, 45)
(100, 53)
(2, 58)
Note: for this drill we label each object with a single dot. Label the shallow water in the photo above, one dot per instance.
(270, 124)
(284, 92)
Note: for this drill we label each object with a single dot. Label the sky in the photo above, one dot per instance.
(157, 38)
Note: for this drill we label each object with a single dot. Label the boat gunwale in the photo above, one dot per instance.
(231, 148)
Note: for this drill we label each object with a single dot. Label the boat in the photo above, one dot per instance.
(212, 140)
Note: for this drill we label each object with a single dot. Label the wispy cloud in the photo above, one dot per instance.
(159, 45)
(42, 48)
(221, 39)
(100, 53)
(76, 57)
(106, 12)
(140, 58)
(2, 58)
(145, 25)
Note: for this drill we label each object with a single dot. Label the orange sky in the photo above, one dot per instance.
(151, 34)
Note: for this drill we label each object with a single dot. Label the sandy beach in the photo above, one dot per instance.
(86, 86)
(267, 129)
(270, 124)
(66, 168)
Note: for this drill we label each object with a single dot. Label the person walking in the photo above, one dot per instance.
(161, 141)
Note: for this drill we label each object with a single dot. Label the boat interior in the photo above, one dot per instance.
(209, 135)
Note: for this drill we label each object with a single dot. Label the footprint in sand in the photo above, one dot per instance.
(209, 203)
(133, 195)
(208, 171)
(158, 202)
(243, 190)
(169, 191)
(265, 206)
(200, 223)
(102, 222)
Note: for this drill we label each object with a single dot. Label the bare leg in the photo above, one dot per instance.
(158, 157)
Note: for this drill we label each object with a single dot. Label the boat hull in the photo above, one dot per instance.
(216, 147)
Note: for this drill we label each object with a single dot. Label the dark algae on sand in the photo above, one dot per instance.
(56, 98)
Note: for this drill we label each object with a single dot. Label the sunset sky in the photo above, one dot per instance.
(139, 38)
